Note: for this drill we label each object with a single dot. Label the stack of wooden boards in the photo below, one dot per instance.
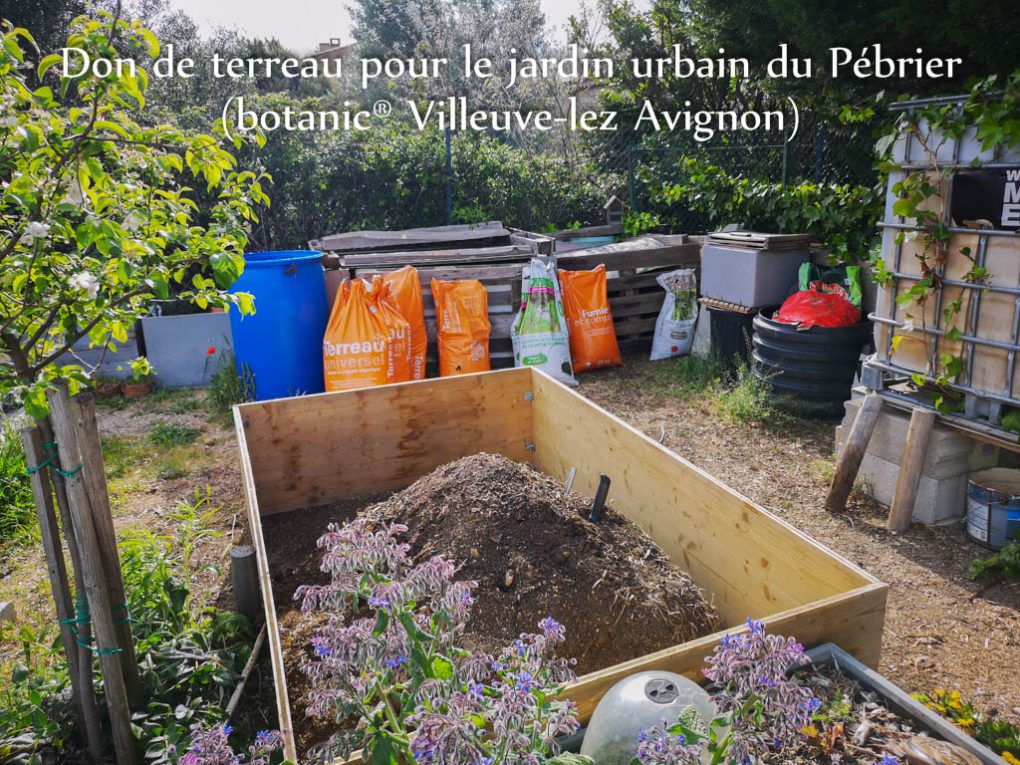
(495, 255)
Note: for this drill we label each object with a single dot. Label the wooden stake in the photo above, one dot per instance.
(94, 576)
(902, 510)
(81, 691)
(249, 665)
(853, 452)
(94, 472)
(244, 576)
(85, 656)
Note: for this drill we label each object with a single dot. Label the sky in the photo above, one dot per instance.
(302, 24)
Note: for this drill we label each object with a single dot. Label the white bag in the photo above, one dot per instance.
(539, 331)
(674, 329)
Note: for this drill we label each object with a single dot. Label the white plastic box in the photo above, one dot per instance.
(748, 277)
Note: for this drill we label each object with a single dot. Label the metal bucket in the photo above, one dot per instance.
(993, 506)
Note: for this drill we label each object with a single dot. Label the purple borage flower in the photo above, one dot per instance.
(444, 705)
(761, 705)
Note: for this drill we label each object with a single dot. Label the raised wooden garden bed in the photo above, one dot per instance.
(310, 451)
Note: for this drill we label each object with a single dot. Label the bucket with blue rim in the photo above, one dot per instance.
(993, 506)
(279, 347)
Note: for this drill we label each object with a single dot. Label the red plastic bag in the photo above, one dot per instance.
(811, 308)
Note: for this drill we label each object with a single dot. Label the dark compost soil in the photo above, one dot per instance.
(531, 551)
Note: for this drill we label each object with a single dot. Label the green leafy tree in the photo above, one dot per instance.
(48, 19)
(96, 214)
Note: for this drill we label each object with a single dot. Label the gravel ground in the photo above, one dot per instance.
(941, 630)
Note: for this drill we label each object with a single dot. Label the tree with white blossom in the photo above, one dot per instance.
(97, 214)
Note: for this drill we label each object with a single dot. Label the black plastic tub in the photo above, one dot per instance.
(731, 334)
(812, 368)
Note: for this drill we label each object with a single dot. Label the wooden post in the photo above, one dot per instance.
(244, 576)
(853, 452)
(94, 472)
(85, 657)
(82, 691)
(902, 509)
(95, 577)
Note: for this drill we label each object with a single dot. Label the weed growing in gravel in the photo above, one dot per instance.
(748, 399)
(172, 434)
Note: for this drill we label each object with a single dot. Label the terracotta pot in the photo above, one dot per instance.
(137, 390)
(108, 388)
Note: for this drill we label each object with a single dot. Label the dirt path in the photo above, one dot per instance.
(937, 635)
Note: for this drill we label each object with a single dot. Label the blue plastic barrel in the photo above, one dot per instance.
(280, 345)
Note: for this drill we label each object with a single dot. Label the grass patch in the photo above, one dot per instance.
(826, 468)
(184, 406)
(122, 454)
(682, 377)
(112, 403)
(176, 400)
(751, 400)
(17, 503)
(174, 465)
(172, 434)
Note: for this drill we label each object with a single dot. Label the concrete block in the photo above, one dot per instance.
(950, 458)
(939, 500)
(945, 448)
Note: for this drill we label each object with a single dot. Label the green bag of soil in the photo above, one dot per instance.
(539, 332)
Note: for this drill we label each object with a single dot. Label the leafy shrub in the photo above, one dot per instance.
(190, 654)
(17, 503)
(1004, 563)
(842, 217)
(394, 177)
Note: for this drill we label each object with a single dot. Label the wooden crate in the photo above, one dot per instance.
(303, 452)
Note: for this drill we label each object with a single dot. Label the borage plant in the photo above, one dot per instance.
(387, 663)
(760, 708)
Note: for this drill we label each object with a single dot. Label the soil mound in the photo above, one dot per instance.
(534, 554)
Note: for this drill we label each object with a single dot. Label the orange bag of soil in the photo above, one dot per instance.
(356, 346)
(462, 326)
(400, 331)
(589, 320)
(405, 290)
